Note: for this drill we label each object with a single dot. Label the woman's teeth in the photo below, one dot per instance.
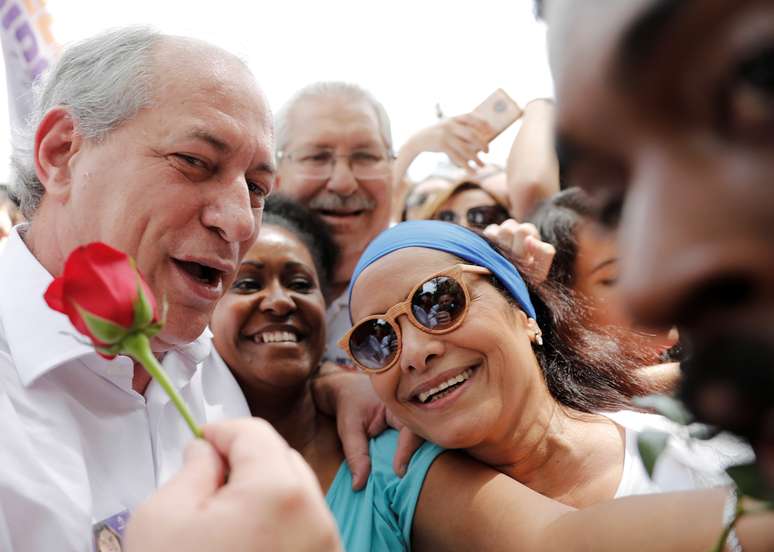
(275, 337)
(431, 394)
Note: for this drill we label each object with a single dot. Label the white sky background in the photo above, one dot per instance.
(409, 53)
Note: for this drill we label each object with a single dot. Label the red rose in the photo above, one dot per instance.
(104, 296)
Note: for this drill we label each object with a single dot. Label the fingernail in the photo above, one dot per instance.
(402, 470)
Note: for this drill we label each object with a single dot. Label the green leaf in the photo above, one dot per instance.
(668, 407)
(143, 311)
(152, 329)
(750, 481)
(102, 329)
(651, 444)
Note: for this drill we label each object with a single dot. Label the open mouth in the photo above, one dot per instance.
(201, 273)
(329, 213)
(445, 388)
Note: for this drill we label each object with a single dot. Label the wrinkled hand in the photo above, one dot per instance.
(524, 247)
(272, 500)
(360, 415)
(461, 138)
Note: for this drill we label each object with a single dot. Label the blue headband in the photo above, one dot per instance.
(451, 238)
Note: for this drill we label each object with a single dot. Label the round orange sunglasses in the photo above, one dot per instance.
(437, 305)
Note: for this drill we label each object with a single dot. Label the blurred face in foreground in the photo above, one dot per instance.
(667, 108)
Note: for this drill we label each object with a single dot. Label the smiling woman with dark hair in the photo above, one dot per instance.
(495, 378)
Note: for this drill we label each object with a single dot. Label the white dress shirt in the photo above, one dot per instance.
(77, 444)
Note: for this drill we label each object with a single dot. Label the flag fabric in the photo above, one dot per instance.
(29, 49)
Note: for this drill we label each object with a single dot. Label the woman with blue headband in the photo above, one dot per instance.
(269, 330)
(472, 364)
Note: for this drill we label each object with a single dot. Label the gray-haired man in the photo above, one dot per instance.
(161, 147)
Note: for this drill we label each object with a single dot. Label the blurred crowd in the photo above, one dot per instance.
(384, 364)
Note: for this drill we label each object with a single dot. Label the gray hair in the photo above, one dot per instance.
(328, 89)
(104, 81)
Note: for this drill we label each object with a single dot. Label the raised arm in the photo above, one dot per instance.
(467, 506)
(461, 138)
(532, 168)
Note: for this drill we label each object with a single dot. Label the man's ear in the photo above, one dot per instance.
(56, 142)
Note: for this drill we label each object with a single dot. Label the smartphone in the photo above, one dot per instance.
(499, 110)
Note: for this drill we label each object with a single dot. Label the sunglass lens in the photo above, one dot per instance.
(438, 303)
(446, 216)
(484, 215)
(373, 344)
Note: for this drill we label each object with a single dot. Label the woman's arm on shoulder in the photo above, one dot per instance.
(465, 505)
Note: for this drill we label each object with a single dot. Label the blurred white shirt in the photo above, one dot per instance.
(77, 444)
(337, 323)
(685, 464)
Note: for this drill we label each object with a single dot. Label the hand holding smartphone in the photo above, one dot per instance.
(499, 110)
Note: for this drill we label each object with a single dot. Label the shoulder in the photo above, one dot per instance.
(381, 516)
(383, 448)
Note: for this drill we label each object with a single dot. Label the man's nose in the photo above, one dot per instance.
(342, 181)
(418, 348)
(684, 250)
(229, 211)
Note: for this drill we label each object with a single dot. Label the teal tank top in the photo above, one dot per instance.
(379, 518)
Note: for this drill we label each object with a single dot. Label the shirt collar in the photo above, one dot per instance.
(39, 338)
(182, 361)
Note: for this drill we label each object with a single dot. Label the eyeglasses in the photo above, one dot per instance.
(477, 217)
(437, 305)
(319, 163)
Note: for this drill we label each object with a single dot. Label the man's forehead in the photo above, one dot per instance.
(332, 119)
(215, 100)
(193, 69)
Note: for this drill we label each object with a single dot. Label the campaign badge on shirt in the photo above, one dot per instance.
(109, 533)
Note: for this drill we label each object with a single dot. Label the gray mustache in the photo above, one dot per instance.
(329, 201)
